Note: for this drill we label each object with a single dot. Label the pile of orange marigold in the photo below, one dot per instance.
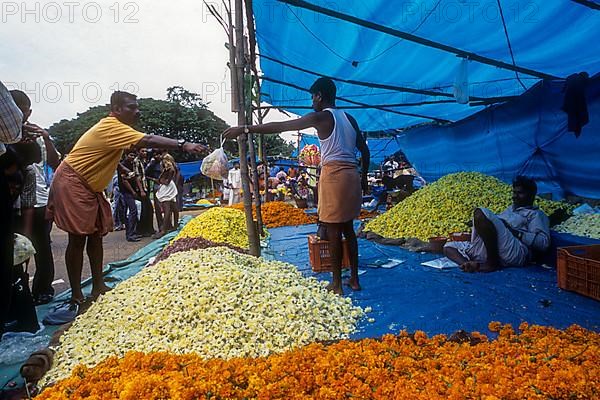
(279, 213)
(538, 363)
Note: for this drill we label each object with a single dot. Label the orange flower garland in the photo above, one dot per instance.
(538, 363)
(279, 213)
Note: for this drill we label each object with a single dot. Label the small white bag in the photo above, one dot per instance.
(215, 164)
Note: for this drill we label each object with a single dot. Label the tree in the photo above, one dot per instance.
(182, 116)
(276, 146)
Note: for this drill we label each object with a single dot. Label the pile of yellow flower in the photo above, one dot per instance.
(216, 303)
(587, 225)
(539, 363)
(279, 213)
(224, 225)
(446, 206)
(204, 202)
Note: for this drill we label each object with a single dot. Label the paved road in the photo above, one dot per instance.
(115, 248)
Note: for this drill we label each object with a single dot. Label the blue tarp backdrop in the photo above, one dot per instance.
(189, 169)
(554, 37)
(526, 135)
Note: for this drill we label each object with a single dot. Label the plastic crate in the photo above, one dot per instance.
(578, 269)
(319, 256)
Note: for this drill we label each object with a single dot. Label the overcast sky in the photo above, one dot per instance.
(71, 55)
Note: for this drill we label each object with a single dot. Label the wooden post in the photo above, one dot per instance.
(238, 89)
(250, 56)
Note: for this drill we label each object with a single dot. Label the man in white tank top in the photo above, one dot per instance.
(340, 194)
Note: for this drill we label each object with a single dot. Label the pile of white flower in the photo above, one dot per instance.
(214, 302)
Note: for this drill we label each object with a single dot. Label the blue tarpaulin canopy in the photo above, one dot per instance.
(396, 65)
(527, 136)
(394, 54)
(189, 169)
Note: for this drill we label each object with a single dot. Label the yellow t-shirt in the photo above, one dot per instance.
(96, 154)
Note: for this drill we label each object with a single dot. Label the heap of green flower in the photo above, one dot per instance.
(447, 206)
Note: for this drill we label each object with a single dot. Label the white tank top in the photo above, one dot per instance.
(341, 144)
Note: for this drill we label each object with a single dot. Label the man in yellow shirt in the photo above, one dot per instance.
(76, 201)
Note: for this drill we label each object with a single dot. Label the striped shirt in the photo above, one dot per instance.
(11, 119)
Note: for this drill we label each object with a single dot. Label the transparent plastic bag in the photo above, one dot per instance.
(215, 165)
(461, 83)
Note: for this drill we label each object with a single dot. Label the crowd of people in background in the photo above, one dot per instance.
(151, 181)
(277, 182)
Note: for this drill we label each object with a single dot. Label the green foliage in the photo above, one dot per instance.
(276, 146)
(182, 116)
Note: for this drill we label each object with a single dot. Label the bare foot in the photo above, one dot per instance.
(354, 285)
(100, 291)
(77, 300)
(159, 234)
(473, 266)
(335, 289)
(470, 266)
(486, 267)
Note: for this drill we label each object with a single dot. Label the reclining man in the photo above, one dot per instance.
(507, 239)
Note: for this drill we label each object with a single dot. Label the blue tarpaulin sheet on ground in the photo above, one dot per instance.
(411, 296)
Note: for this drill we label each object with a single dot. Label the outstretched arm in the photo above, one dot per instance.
(160, 142)
(312, 120)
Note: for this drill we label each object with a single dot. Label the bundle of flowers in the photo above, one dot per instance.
(279, 213)
(447, 206)
(216, 303)
(310, 155)
(222, 225)
(186, 244)
(539, 363)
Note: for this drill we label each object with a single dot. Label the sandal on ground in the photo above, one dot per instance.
(37, 365)
(43, 299)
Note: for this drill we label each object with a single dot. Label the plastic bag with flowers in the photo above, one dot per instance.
(310, 155)
(215, 165)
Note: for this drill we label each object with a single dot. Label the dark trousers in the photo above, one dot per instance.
(119, 209)
(132, 215)
(7, 244)
(44, 261)
(146, 223)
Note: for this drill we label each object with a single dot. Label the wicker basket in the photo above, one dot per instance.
(460, 236)
(578, 270)
(320, 258)
(436, 244)
(301, 203)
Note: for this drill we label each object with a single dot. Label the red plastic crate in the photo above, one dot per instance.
(320, 257)
(578, 269)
